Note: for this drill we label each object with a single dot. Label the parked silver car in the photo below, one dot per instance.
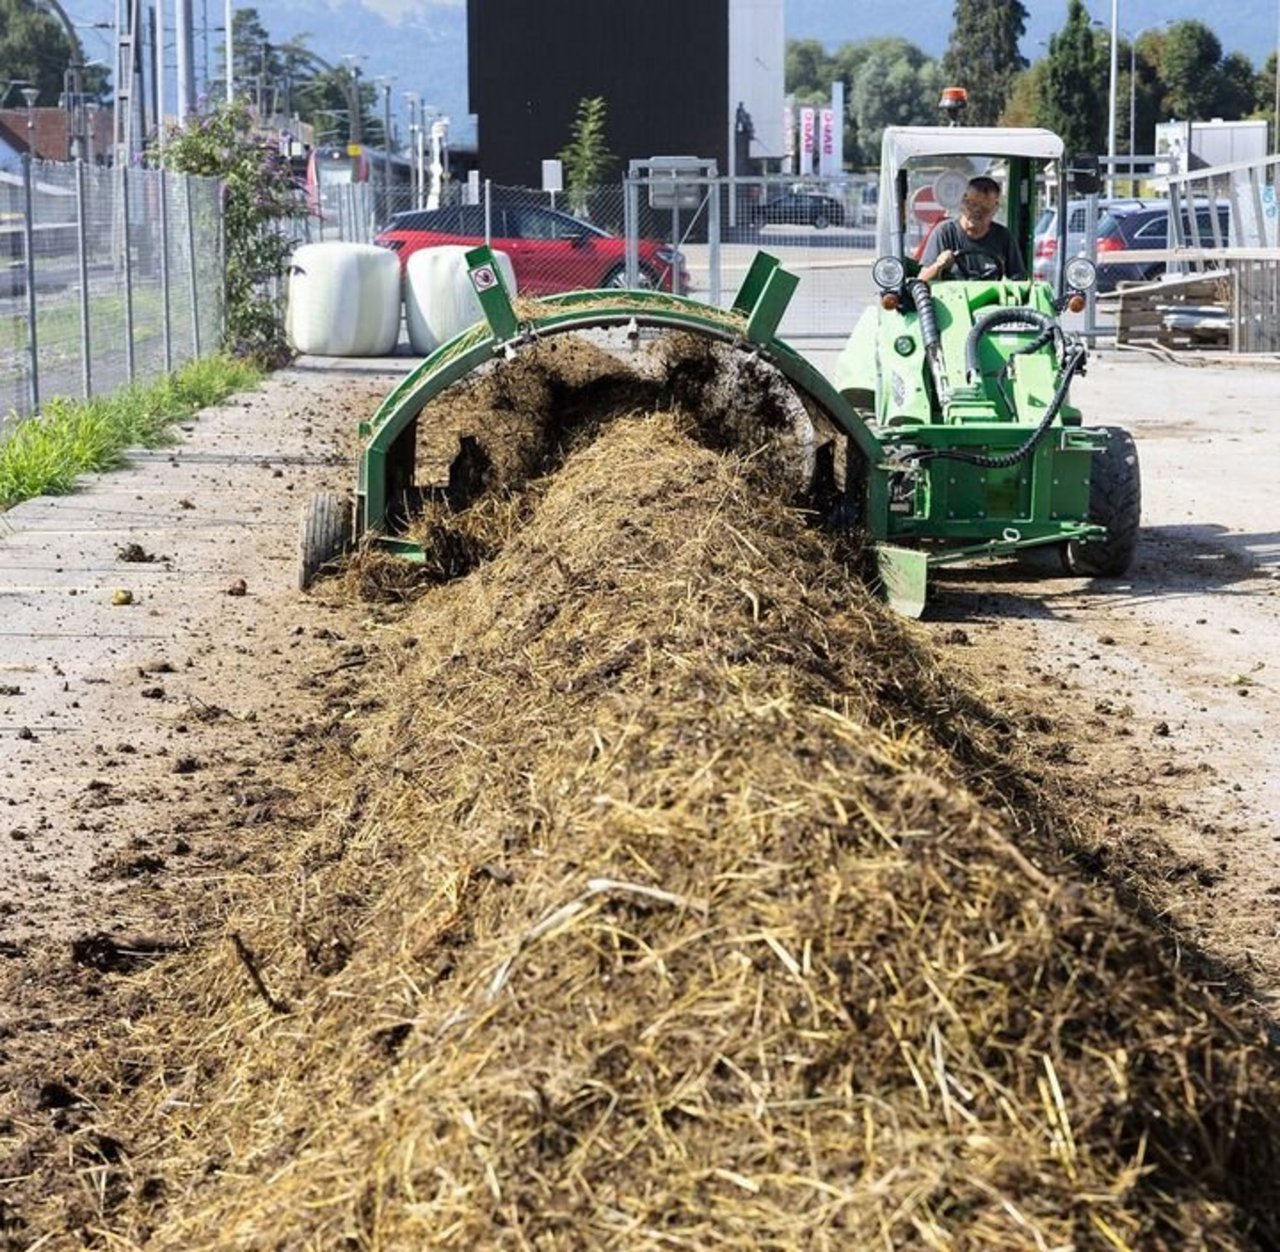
(1046, 245)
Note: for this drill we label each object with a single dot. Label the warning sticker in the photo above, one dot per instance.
(484, 278)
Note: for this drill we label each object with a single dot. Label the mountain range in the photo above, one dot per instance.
(422, 44)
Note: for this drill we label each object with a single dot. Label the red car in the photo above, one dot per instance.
(550, 251)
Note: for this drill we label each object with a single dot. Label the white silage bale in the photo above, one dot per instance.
(343, 300)
(439, 301)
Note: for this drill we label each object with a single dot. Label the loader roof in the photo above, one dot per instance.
(901, 143)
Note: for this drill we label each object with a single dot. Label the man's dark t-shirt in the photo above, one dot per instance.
(992, 256)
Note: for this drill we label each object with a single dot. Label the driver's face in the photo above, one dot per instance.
(977, 210)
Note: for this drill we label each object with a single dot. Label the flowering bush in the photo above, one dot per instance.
(258, 197)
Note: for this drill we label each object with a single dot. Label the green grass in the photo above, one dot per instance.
(45, 455)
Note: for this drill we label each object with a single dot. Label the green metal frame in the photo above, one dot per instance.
(751, 323)
(919, 512)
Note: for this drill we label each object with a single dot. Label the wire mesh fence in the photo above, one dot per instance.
(110, 276)
(628, 235)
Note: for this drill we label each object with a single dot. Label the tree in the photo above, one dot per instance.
(808, 68)
(1190, 57)
(1147, 92)
(896, 85)
(887, 81)
(1264, 100)
(982, 55)
(1025, 106)
(587, 157)
(1237, 85)
(1073, 95)
(257, 198)
(33, 50)
(257, 64)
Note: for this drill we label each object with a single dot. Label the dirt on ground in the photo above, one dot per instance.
(1138, 715)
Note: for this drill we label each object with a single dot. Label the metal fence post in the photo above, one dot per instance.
(713, 241)
(164, 272)
(631, 226)
(191, 268)
(82, 256)
(128, 277)
(29, 238)
(488, 211)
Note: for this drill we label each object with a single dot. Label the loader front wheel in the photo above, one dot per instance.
(1115, 501)
(324, 531)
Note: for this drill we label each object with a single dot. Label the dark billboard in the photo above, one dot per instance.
(662, 66)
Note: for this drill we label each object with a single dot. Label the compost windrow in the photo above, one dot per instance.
(649, 908)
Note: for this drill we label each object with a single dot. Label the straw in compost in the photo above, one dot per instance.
(644, 917)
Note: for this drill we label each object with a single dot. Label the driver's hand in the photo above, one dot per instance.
(946, 258)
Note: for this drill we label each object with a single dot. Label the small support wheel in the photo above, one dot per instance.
(324, 532)
(1115, 501)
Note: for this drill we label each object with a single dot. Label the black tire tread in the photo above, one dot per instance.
(324, 530)
(1115, 501)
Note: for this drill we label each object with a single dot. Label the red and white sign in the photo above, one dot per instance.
(827, 163)
(807, 137)
(925, 209)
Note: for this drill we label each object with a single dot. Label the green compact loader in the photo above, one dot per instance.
(946, 435)
(964, 382)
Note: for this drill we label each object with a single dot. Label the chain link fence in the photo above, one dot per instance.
(618, 236)
(110, 276)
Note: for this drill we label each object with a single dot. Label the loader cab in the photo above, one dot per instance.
(925, 170)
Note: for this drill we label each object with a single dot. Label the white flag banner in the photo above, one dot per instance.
(827, 162)
(808, 121)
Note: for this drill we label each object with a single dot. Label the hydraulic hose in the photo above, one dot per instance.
(1074, 360)
(988, 321)
(922, 298)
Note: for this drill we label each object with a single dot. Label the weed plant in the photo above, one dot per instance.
(46, 455)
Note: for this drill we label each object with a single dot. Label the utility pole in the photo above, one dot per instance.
(1111, 106)
(386, 81)
(186, 81)
(229, 24)
(355, 106)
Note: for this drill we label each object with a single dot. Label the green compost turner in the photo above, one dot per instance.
(892, 497)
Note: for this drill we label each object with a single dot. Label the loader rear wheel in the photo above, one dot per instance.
(1115, 501)
(324, 530)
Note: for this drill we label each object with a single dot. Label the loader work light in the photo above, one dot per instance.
(1081, 274)
(888, 272)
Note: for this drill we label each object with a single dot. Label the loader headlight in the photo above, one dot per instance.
(888, 272)
(1081, 274)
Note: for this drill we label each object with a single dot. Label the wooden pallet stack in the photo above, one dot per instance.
(1191, 312)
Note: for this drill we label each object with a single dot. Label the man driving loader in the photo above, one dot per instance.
(975, 245)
